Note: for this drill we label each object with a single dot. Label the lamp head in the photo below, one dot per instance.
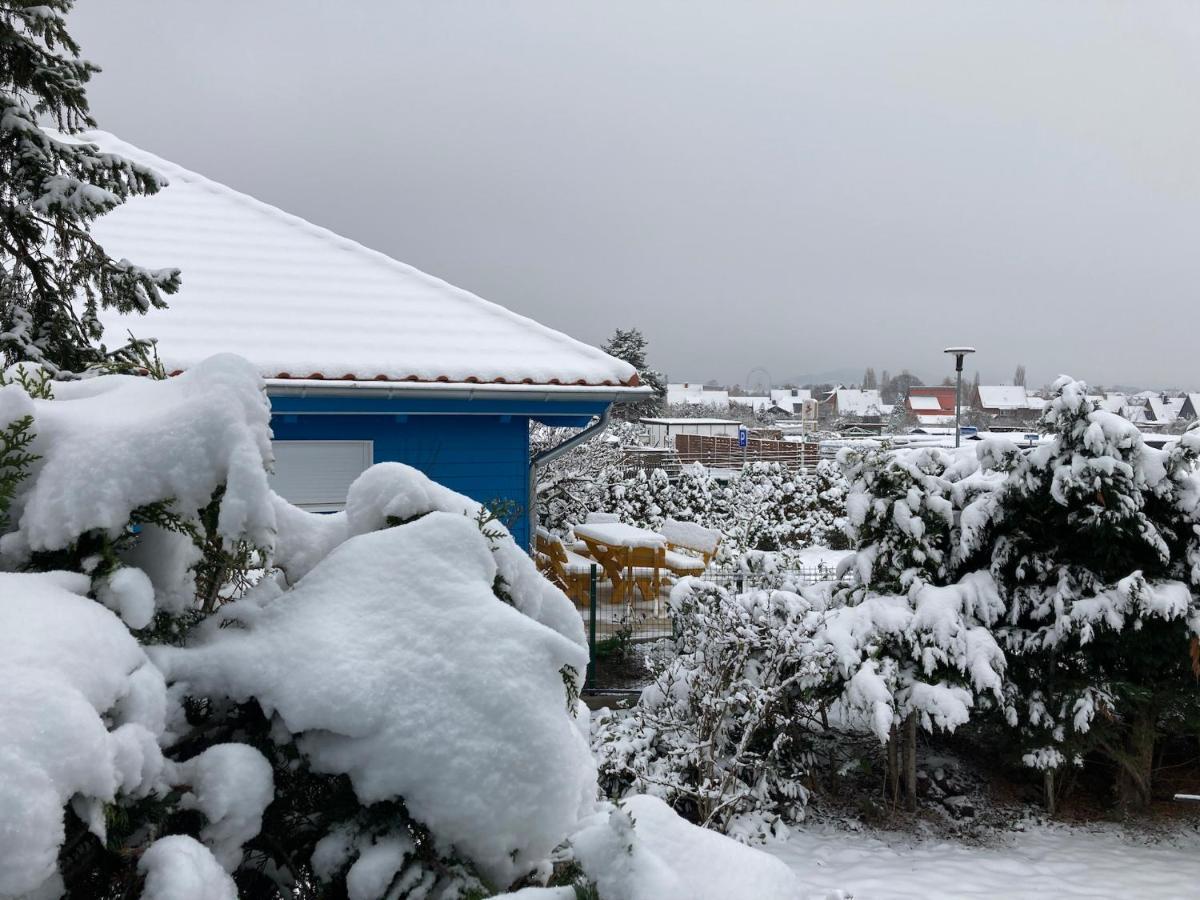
(958, 353)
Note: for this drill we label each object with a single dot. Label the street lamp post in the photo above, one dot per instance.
(958, 353)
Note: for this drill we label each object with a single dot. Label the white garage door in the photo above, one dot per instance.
(315, 475)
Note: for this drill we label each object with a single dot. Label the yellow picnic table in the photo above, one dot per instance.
(628, 555)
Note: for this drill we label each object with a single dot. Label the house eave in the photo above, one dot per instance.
(549, 393)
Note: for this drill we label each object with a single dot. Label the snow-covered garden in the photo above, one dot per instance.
(208, 692)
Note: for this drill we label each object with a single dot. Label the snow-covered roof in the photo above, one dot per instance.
(790, 398)
(930, 419)
(1156, 409)
(758, 404)
(696, 394)
(1113, 403)
(1003, 396)
(859, 403)
(302, 302)
(923, 403)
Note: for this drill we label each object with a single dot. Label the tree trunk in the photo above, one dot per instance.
(1137, 763)
(893, 766)
(910, 762)
(1048, 795)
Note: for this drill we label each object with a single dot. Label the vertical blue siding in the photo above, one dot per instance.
(483, 456)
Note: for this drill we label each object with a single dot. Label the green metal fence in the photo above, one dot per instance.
(626, 633)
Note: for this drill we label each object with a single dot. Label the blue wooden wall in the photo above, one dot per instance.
(479, 448)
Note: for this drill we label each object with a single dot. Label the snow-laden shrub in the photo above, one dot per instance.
(404, 660)
(484, 752)
(912, 642)
(1094, 542)
(392, 710)
(721, 733)
(569, 487)
(763, 507)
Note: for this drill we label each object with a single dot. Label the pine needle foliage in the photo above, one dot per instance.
(55, 278)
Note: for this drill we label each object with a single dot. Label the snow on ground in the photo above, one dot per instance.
(821, 557)
(1042, 862)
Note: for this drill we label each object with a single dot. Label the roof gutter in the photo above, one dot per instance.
(553, 453)
(316, 387)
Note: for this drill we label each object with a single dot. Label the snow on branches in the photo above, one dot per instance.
(208, 693)
(720, 734)
(54, 277)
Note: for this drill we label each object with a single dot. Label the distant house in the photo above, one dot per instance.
(1010, 405)
(791, 400)
(931, 407)
(1157, 411)
(365, 359)
(1112, 402)
(1190, 409)
(862, 408)
(691, 394)
(762, 404)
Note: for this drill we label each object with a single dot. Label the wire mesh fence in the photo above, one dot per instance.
(628, 625)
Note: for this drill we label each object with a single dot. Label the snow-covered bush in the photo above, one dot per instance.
(911, 639)
(1094, 544)
(1055, 585)
(391, 710)
(763, 507)
(722, 732)
(337, 673)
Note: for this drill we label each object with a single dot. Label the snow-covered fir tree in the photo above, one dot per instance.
(912, 639)
(54, 277)
(629, 344)
(1095, 550)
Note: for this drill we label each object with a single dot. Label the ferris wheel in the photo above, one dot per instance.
(758, 378)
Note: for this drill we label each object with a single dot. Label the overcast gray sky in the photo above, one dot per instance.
(800, 186)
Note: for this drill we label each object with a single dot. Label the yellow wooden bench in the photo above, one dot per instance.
(690, 547)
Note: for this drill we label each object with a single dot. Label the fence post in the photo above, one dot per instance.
(590, 682)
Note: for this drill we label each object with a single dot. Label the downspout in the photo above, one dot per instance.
(554, 453)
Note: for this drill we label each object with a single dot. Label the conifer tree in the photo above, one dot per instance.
(1095, 553)
(630, 345)
(929, 658)
(54, 277)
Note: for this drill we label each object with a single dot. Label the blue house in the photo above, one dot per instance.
(366, 359)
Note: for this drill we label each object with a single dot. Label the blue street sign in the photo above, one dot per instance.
(743, 437)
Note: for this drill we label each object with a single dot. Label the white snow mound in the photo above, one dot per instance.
(418, 683)
(69, 672)
(117, 442)
(643, 850)
(179, 867)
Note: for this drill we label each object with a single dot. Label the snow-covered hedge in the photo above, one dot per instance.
(762, 507)
(208, 693)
